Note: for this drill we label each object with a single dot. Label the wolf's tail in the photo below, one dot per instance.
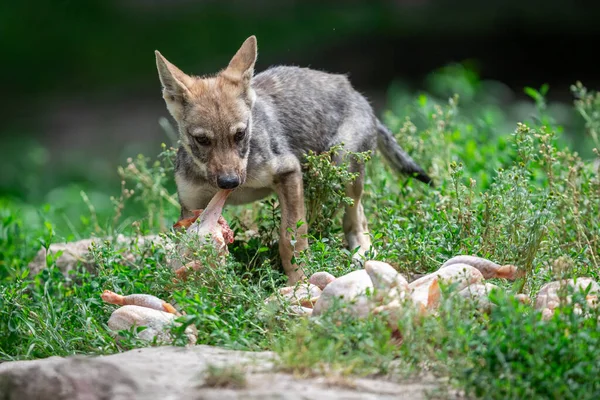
(401, 161)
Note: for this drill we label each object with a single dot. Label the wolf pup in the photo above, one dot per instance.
(249, 133)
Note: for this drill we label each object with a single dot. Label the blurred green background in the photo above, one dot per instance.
(81, 93)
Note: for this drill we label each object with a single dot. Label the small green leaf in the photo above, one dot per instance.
(531, 92)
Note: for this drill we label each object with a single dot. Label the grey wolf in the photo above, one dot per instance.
(249, 132)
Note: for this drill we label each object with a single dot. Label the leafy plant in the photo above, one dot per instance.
(325, 180)
(511, 192)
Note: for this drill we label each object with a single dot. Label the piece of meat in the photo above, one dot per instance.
(427, 301)
(183, 272)
(523, 298)
(478, 293)
(462, 275)
(549, 297)
(186, 222)
(426, 296)
(304, 295)
(349, 289)
(209, 226)
(156, 323)
(363, 290)
(301, 311)
(210, 222)
(477, 290)
(387, 282)
(488, 268)
(228, 234)
(142, 300)
(321, 279)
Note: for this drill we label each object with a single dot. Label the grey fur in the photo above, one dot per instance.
(300, 109)
(401, 161)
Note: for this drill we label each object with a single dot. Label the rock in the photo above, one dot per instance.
(179, 373)
(72, 253)
(79, 252)
(75, 378)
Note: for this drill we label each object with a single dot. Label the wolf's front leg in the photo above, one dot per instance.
(291, 199)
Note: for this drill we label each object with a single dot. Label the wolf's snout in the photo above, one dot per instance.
(228, 181)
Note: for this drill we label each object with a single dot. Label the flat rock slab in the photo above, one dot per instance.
(169, 373)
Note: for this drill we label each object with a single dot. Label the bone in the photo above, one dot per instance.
(207, 223)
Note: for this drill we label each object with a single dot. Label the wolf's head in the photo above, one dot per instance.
(214, 115)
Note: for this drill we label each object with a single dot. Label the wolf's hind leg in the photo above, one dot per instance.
(355, 222)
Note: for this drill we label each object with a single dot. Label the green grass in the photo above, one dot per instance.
(515, 195)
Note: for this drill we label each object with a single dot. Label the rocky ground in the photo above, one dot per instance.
(197, 372)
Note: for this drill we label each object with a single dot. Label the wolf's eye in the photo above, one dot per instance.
(240, 135)
(202, 140)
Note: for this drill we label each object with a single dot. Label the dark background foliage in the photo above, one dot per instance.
(81, 93)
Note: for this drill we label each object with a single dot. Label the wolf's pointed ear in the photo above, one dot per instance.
(241, 66)
(175, 82)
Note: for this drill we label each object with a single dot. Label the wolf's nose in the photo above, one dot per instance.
(228, 181)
